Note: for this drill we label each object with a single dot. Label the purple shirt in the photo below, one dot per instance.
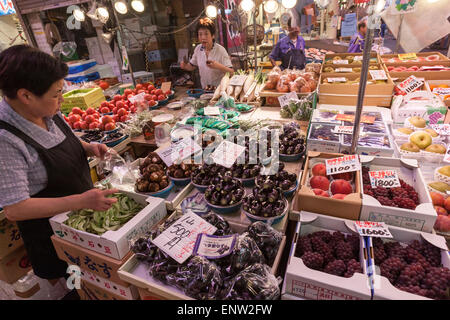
(284, 45)
(356, 44)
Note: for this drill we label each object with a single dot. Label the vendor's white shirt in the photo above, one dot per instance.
(209, 76)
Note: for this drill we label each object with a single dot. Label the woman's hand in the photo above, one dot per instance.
(96, 199)
(96, 150)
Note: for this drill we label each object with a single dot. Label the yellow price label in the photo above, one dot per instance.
(407, 56)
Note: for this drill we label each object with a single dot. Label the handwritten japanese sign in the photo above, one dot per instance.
(227, 153)
(178, 151)
(343, 129)
(343, 164)
(373, 229)
(384, 178)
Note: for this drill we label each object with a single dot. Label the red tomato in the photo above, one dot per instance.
(120, 104)
(161, 97)
(107, 119)
(74, 118)
(117, 97)
(104, 104)
(104, 85)
(150, 87)
(116, 118)
(90, 111)
(122, 112)
(105, 110)
(127, 91)
(158, 92)
(168, 93)
(139, 86)
(89, 119)
(154, 97)
(77, 110)
(145, 85)
(96, 115)
(83, 117)
(133, 109)
(94, 125)
(111, 105)
(141, 91)
(71, 114)
(84, 125)
(65, 118)
(101, 126)
(77, 125)
(152, 103)
(148, 97)
(114, 110)
(110, 126)
(153, 91)
(123, 118)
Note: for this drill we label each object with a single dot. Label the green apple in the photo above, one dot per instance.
(418, 122)
(433, 133)
(436, 148)
(421, 139)
(440, 186)
(407, 131)
(445, 171)
(409, 146)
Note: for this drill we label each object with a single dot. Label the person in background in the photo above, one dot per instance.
(290, 50)
(357, 42)
(209, 57)
(383, 28)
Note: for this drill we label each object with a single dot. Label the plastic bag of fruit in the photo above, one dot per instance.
(122, 172)
(253, 283)
(272, 79)
(267, 239)
(139, 102)
(283, 83)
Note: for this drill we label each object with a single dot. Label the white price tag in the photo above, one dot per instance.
(343, 129)
(441, 91)
(410, 84)
(286, 98)
(384, 178)
(447, 155)
(178, 241)
(340, 61)
(343, 164)
(211, 111)
(214, 247)
(357, 58)
(227, 153)
(441, 129)
(237, 80)
(178, 151)
(337, 79)
(343, 70)
(378, 74)
(373, 229)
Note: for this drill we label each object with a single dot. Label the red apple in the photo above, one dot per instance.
(341, 186)
(319, 169)
(441, 211)
(447, 204)
(339, 196)
(442, 223)
(438, 199)
(319, 182)
(320, 192)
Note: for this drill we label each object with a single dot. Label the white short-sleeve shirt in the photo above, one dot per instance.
(209, 76)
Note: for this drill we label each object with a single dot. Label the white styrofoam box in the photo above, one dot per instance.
(383, 289)
(320, 145)
(421, 219)
(129, 293)
(422, 155)
(142, 75)
(114, 244)
(312, 284)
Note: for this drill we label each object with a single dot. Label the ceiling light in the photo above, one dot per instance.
(271, 6)
(247, 5)
(211, 11)
(121, 6)
(78, 14)
(289, 4)
(137, 5)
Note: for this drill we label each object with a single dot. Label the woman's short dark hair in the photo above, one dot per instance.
(207, 24)
(362, 24)
(25, 67)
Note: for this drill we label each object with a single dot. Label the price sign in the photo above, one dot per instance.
(178, 241)
(357, 58)
(237, 80)
(384, 178)
(407, 56)
(286, 98)
(340, 61)
(373, 229)
(441, 91)
(214, 247)
(447, 155)
(343, 164)
(411, 84)
(343, 129)
(378, 74)
(337, 79)
(344, 70)
(211, 111)
(165, 86)
(441, 129)
(351, 118)
(178, 151)
(227, 153)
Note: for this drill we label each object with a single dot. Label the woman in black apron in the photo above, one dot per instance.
(31, 82)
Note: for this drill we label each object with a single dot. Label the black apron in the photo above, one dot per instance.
(68, 174)
(294, 58)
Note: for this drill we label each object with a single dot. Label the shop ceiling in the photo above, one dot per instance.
(29, 6)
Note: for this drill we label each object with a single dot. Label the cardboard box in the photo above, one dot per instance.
(373, 55)
(383, 289)
(306, 200)
(312, 284)
(112, 288)
(319, 145)
(421, 219)
(114, 244)
(98, 264)
(438, 82)
(385, 57)
(136, 273)
(426, 74)
(342, 99)
(380, 89)
(10, 238)
(14, 266)
(385, 151)
(89, 291)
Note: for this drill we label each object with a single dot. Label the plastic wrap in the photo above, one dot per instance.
(199, 278)
(253, 283)
(267, 239)
(283, 83)
(223, 228)
(245, 253)
(139, 102)
(122, 173)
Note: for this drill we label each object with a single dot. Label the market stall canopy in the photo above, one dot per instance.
(427, 24)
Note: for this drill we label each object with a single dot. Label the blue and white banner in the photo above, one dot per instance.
(6, 7)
